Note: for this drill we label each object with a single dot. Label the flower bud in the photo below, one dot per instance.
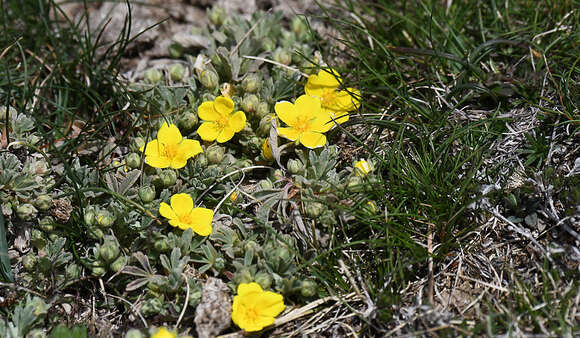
(29, 262)
(262, 110)
(137, 143)
(243, 276)
(153, 75)
(118, 264)
(134, 333)
(46, 224)
(234, 196)
(219, 264)
(371, 207)
(299, 27)
(265, 125)
(104, 218)
(282, 253)
(227, 89)
(168, 177)
(282, 56)
(215, 154)
(177, 72)
(161, 245)
(308, 288)
(201, 160)
(268, 44)
(217, 16)
(7, 112)
(109, 251)
(43, 202)
(250, 103)
(354, 184)
(95, 232)
(73, 271)
(133, 160)
(362, 168)
(252, 245)
(209, 79)
(89, 217)
(251, 82)
(98, 271)
(267, 150)
(147, 193)
(264, 279)
(187, 121)
(288, 39)
(313, 209)
(265, 184)
(277, 175)
(26, 211)
(295, 166)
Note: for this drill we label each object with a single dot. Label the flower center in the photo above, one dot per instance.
(222, 122)
(302, 124)
(251, 314)
(170, 150)
(187, 219)
(328, 97)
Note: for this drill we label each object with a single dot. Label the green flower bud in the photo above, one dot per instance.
(152, 306)
(104, 218)
(327, 218)
(209, 79)
(168, 177)
(250, 103)
(282, 253)
(313, 209)
(98, 271)
(268, 44)
(161, 245)
(219, 264)
(52, 237)
(26, 211)
(277, 175)
(177, 72)
(175, 50)
(95, 232)
(265, 184)
(134, 333)
(29, 262)
(252, 245)
(217, 16)
(251, 82)
(187, 121)
(201, 160)
(282, 56)
(36, 333)
(89, 217)
(288, 39)
(243, 276)
(262, 110)
(295, 166)
(73, 271)
(46, 224)
(354, 184)
(299, 27)
(147, 193)
(133, 160)
(154, 75)
(215, 154)
(264, 279)
(43, 202)
(308, 288)
(7, 112)
(118, 264)
(109, 251)
(137, 143)
(265, 125)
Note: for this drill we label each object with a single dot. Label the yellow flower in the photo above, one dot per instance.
(337, 103)
(234, 196)
(170, 149)
(254, 309)
(220, 123)
(163, 333)
(306, 120)
(183, 215)
(267, 150)
(362, 168)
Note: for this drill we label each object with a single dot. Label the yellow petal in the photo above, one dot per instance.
(289, 133)
(181, 204)
(326, 78)
(321, 123)
(206, 112)
(341, 117)
(223, 105)
(189, 148)
(169, 134)
(208, 131)
(308, 105)
(237, 121)
(166, 211)
(153, 148)
(271, 304)
(202, 219)
(225, 135)
(178, 162)
(157, 161)
(312, 139)
(286, 112)
(248, 288)
(179, 224)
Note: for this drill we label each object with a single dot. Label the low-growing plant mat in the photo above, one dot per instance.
(370, 168)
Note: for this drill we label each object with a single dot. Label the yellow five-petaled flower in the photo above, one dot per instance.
(163, 333)
(306, 121)
(183, 215)
(336, 103)
(254, 308)
(170, 149)
(362, 168)
(220, 123)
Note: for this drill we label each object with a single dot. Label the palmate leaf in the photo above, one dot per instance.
(5, 271)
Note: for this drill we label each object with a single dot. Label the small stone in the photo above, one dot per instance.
(214, 314)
